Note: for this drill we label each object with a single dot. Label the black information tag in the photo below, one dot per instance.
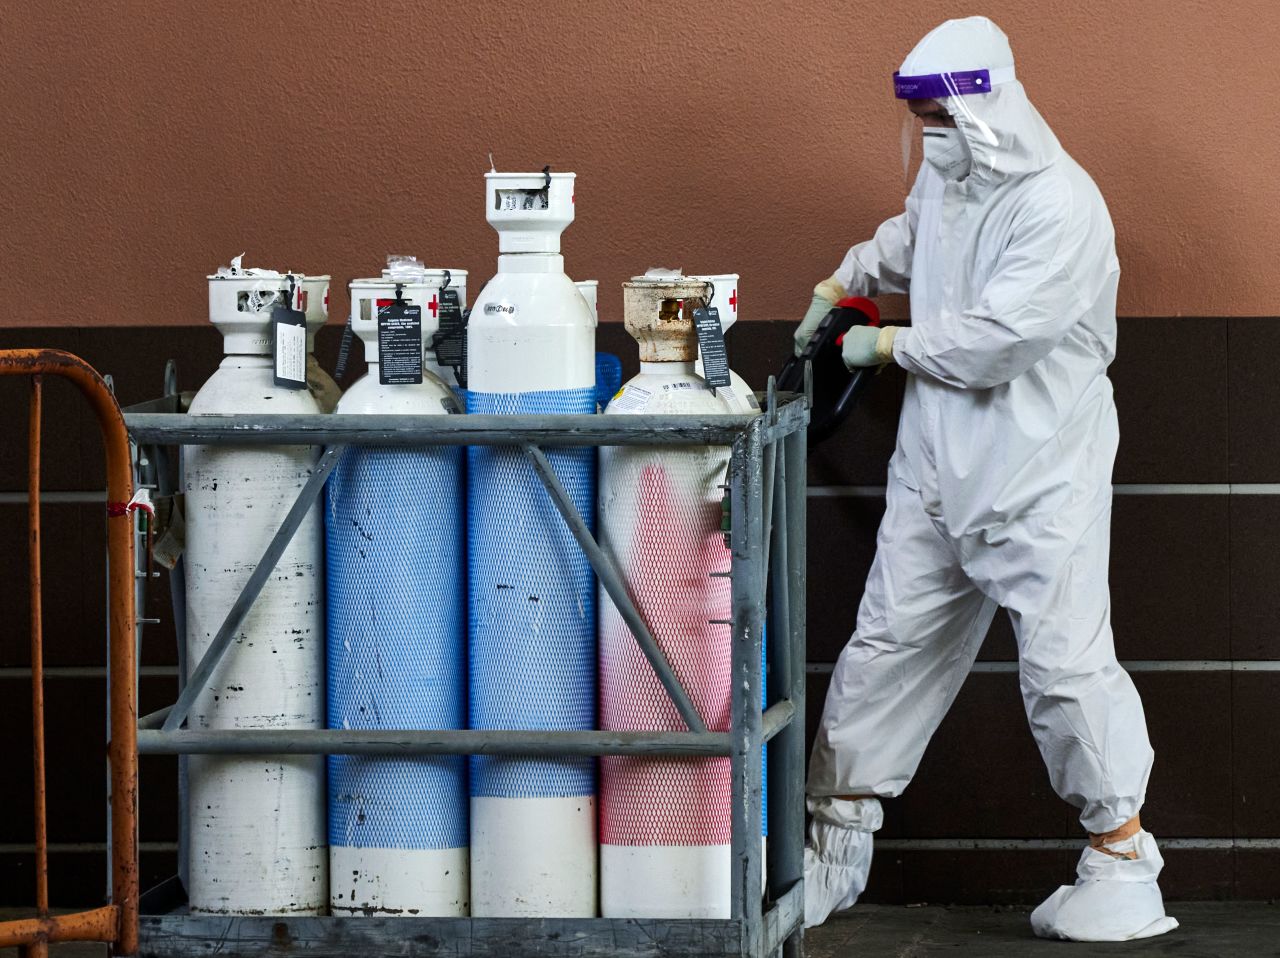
(460, 371)
(344, 352)
(399, 344)
(715, 359)
(289, 343)
(450, 341)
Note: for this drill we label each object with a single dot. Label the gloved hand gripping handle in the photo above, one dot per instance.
(835, 389)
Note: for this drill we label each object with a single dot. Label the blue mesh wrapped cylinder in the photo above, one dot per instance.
(532, 640)
(398, 827)
(608, 378)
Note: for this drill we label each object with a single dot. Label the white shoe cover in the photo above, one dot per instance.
(1113, 899)
(837, 859)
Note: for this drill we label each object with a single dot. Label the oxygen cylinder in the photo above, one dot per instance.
(589, 288)
(724, 293)
(257, 822)
(724, 296)
(420, 286)
(665, 822)
(394, 526)
(532, 617)
(608, 366)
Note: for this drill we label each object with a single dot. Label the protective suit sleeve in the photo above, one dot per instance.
(883, 263)
(1044, 281)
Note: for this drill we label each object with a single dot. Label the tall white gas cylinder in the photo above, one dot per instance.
(723, 289)
(419, 286)
(608, 366)
(532, 611)
(257, 822)
(665, 823)
(394, 529)
(590, 288)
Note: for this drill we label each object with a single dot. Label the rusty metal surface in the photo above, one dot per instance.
(117, 923)
(660, 317)
(37, 647)
(100, 924)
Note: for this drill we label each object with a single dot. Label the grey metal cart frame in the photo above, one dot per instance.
(766, 500)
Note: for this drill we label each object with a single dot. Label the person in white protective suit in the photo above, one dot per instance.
(999, 490)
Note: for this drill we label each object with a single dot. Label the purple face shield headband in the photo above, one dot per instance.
(935, 86)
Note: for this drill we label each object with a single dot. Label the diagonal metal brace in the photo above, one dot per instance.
(613, 583)
(266, 565)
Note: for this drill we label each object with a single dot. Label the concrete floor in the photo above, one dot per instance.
(1208, 930)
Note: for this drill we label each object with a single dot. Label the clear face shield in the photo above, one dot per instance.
(954, 92)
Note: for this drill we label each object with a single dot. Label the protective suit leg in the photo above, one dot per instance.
(1087, 719)
(920, 624)
(837, 859)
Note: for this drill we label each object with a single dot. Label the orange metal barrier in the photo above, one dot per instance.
(116, 923)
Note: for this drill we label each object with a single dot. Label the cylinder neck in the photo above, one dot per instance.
(669, 369)
(530, 263)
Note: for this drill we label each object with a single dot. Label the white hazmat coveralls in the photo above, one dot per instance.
(999, 493)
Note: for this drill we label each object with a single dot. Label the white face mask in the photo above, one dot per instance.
(947, 152)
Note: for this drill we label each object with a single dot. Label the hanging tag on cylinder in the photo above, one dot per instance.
(715, 358)
(452, 337)
(460, 370)
(399, 342)
(344, 352)
(289, 339)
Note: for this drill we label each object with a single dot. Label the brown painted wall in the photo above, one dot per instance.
(144, 143)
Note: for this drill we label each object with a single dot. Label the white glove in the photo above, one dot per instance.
(837, 859)
(825, 295)
(868, 346)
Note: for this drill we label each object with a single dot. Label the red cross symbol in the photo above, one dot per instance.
(733, 300)
(433, 305)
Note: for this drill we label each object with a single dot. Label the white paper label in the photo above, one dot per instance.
(631, 399)
(291, 352)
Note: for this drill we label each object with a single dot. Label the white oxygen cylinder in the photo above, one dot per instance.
(665, 823)
(419, 286)
(395, 526)
(608, 366)
(531, 618)
(257, 822)
(589, 288)
(723, 288)
(724, 292)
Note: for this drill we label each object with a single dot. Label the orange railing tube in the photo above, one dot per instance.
(116, 923)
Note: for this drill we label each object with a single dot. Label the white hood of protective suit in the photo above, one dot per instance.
(1005, 134)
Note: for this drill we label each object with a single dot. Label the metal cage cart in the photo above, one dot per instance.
(765, 529)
